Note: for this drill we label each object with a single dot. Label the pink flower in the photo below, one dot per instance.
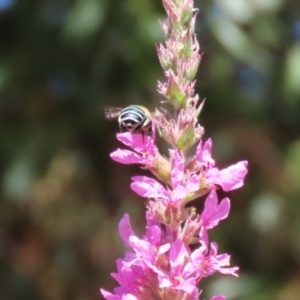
(181, 186)
(129, 279)
(179, 177)
(148, 188)
(181, 275)
(139, 267)
(207, 259)
(175, 252)
(229, 178)
(153, 232)
(144, 149)
(144, 152)
(154, 267)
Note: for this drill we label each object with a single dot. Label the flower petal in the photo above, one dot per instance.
(125, 229)
(153, 235)
(110, 296)
(138, 142)
(178, 195)
(147, 187)
(188, 285)
(177, 257)
(213, 212)
(126, 157)
(143, 249)
(204, 153)
(233, 177)
(177, 171)
(193, 183)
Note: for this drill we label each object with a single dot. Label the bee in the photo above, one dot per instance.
(133, 118)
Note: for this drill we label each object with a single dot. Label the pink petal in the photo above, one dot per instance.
(163, 249)
(164, 282)
(151, 220)
(126, 157)
(189, 269)
(199, 150)
(153, 235)
(233, 177)
(138, 142)
(204, 153)
(177, 256)
(125, 228)
(229, 271)
(129, 297)
(177, 171)
(203, 236)
(193, 183)
(125, 276)
(109, 296)
(188, 285)
(197, 255)
(178, 195)
(147, 187)
(221, 262)
(143, 249)
(213, 212)
(212, 176)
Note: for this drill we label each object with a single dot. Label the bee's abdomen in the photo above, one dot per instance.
(132, 118)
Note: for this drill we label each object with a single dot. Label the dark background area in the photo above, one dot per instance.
(61, 196)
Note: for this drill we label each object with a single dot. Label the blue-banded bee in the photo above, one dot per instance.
(133, 118)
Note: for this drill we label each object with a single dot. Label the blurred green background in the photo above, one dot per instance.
(61, 198)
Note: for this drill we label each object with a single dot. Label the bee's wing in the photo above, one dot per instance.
(112, 112)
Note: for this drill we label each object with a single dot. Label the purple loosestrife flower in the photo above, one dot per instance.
(158, 269)
(202, 175)
(228, 179)
(162, 265)
(144, 152)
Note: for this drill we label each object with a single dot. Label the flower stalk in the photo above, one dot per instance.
(162, 264)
